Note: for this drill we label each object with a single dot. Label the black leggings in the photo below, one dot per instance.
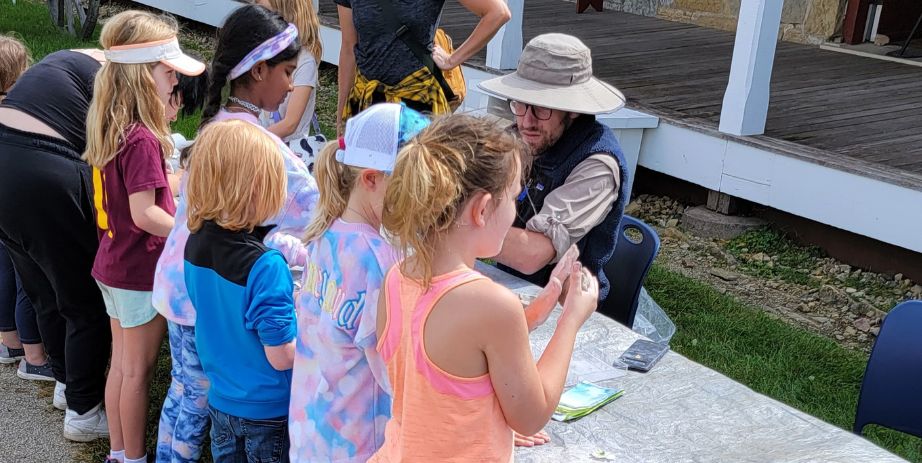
(16, 311)
(47, 223)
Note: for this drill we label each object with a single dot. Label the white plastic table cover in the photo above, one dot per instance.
(683, 412)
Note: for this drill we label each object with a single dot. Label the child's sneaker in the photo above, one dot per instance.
(87, 427)
(111, 460)
(35, 372)
(60, 400)
(9, 355)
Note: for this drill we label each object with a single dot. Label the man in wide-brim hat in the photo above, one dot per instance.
(573, 193)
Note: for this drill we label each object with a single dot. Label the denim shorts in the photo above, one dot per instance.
(130, 308)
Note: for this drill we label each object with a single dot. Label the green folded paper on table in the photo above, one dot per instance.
(583, 399)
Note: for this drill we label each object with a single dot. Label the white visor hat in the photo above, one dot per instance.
(162, 51)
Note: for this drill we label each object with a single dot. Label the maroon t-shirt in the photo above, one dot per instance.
(127, 255)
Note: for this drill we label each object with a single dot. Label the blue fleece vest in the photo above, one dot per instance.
(584, 138)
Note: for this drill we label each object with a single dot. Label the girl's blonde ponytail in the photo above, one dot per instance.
(437, 173)
(335, 181)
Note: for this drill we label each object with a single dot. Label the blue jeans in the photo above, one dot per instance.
(16, 311)
(184, 417)
(239, 440)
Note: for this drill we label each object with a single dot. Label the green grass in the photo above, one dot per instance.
(326, 100)
(187, 125)
(29, 21)
(804, 370)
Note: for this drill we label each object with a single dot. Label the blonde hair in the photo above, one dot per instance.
(236, 177)
(301, 13)
(335, 181)
(14, 59)
(437, 172)
(126, 94)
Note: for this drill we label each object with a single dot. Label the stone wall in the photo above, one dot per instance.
(803, 21)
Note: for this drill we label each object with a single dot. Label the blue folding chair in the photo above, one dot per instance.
(890, 390)
(627, 269)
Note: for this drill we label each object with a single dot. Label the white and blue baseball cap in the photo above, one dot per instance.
(374, 136)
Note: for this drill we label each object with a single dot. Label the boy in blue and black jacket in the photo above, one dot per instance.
(241, 289)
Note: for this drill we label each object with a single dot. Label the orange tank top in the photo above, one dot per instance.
(435, 416)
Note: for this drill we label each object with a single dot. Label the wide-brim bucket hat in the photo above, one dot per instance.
(555, 71)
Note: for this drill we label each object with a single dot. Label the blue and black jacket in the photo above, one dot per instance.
(243, 296)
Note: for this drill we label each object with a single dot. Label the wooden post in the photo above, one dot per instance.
(505, 47)
(724, 203)
(745, 105)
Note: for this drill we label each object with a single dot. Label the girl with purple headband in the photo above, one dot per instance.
(256, 55)
(296, 120)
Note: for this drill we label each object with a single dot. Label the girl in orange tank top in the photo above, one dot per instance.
(456, 344)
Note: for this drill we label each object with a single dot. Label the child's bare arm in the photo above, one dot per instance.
(175, 180)
(537, 312)
(529, 393)
(147, 215)
(297, 104)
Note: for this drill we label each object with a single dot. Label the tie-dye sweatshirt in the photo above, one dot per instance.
(339, 397)
(170, 297)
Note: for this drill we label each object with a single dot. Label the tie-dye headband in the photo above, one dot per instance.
(265, 51)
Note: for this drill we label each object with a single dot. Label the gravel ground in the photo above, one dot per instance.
(842, 303)
(30, 428)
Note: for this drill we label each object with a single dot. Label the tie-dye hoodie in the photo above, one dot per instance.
(170, 297)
